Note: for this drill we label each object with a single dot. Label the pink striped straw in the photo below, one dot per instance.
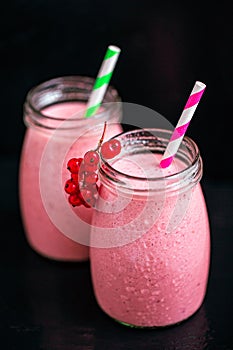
(182, 125)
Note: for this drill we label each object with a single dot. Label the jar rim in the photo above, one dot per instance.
(67, 83)
(191, 173)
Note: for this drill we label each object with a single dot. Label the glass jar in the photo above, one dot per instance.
(150, 239)
(56, 131)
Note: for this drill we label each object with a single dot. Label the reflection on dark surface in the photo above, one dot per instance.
(191, 334)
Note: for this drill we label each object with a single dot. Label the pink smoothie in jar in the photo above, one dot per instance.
(56, 131)
(150, 240)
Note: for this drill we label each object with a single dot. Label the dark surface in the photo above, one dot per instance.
(49, 305)
(166, 46)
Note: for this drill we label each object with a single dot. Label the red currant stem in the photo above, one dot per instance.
(102, 137)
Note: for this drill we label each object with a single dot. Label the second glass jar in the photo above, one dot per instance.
(57, 131)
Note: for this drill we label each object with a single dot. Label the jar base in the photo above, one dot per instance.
(150, 327)
(129, 325)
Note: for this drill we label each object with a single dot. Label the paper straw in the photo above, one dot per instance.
(102, 80)
(182, 125)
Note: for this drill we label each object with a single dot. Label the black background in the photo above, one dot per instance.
(166, 46)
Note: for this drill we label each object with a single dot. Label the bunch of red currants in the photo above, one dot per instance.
(82, 186)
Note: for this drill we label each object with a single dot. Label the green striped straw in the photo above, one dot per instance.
(102, 80)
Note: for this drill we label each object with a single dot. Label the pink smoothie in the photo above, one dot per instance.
(159, 277)
(42, 176)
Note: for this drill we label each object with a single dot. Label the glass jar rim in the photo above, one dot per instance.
(192, 173)
(64, 83)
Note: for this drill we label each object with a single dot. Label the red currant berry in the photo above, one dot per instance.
(93, 188)
(90, 202)
(111, 149)
(86, 205)
(71, 187)
(73, 165)
(75, 200)
(90, 168)
(89, 186)
(86, 194)
(74, 178)
(90, 178)
(91, 158)
(115, 145)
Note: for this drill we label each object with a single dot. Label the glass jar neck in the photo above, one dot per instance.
(70, 89)
(138, 145)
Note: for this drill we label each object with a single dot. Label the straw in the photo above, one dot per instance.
(102, 80)
(182, 125)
